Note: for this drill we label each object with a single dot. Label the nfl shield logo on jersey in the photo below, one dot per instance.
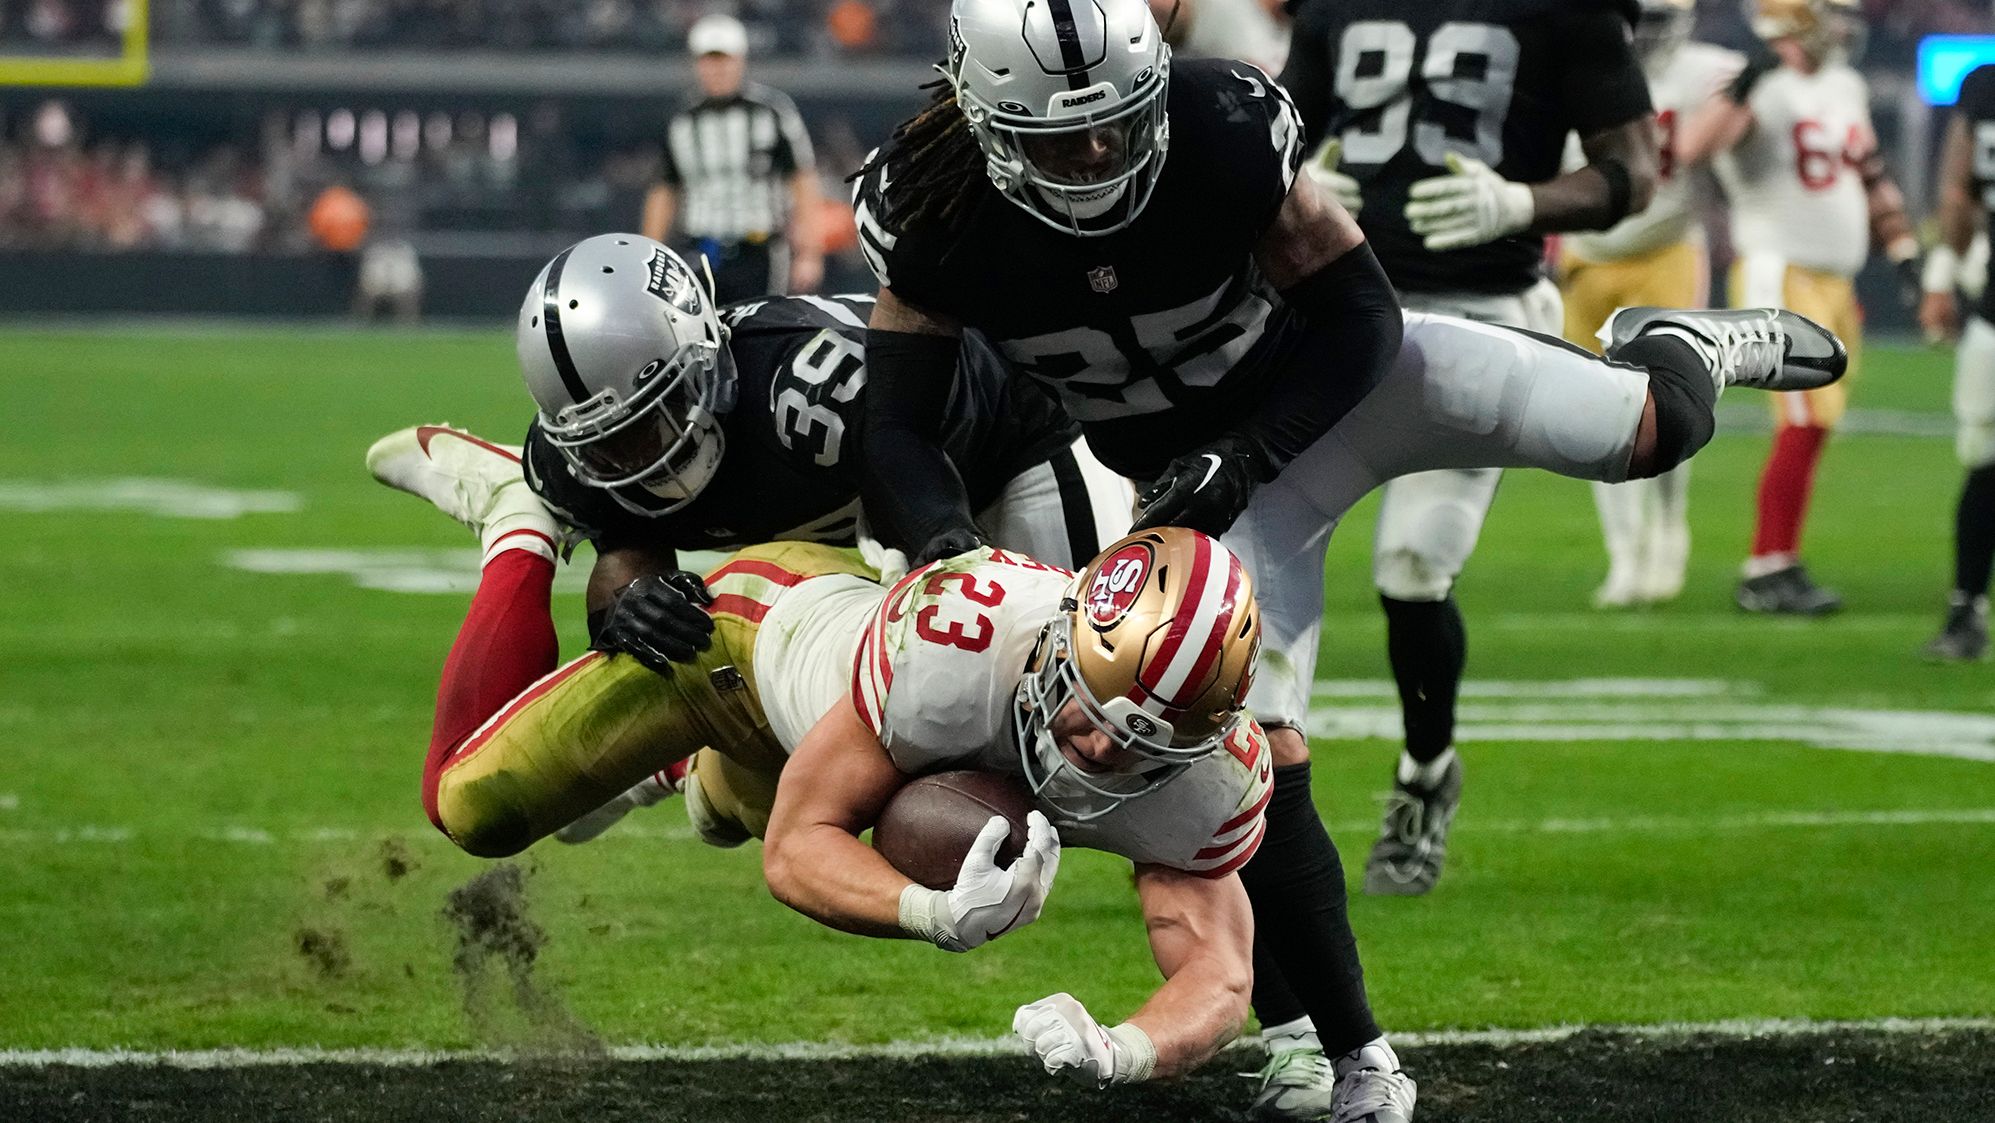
(1102, 279)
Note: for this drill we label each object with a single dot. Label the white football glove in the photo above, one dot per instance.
(1468, 207)
(1322, 168)
(1067, 1040)
(986, 901)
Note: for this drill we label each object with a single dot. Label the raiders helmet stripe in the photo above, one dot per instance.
(1070, 43)
(557, 344)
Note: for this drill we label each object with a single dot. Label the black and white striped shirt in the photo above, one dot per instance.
(732, 159)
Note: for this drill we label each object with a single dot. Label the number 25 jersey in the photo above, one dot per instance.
(1503, 81)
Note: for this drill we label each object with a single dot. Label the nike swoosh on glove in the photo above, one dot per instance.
(1204, 490)
(659, 620)
(1470, 206)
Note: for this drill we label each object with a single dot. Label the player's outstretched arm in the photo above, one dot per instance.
(1202, 934)
(640, 604)
(1618, 180)
(1724, 120)
(833, 787)
(914, 500)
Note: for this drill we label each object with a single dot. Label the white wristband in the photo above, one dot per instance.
(1942, 271)
(1135, 1054)
(924, 914)
(1519, 207)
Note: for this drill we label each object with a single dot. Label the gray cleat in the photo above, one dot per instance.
(1296, 1084)
(1787, 592)
(1373, 1095)
(1767, 348)
(1964, 638)
(1413, 842)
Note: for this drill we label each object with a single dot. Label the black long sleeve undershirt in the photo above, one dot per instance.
(910, 489)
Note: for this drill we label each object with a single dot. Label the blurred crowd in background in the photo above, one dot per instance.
(69, 182)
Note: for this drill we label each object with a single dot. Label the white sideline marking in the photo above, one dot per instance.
(432, 571)
(1648, 710)
(172, 499)
(634, 832)
(1738, 1029)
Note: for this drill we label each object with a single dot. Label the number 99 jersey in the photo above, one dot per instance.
(935, 676)
(1503, 81)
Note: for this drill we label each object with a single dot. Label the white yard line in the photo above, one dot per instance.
(1736, 1029)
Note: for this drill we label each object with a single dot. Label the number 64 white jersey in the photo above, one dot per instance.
(1793, 181)
(935, 677)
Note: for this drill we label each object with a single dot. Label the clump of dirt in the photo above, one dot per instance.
(396, 861)
(338, 887)
(498, 946)
(325, 950)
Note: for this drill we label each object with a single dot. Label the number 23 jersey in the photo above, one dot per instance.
(935, 676)
(1503, 81)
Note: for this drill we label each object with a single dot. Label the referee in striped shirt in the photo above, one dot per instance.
(738, 175)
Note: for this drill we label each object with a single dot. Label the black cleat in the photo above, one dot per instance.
(1964, 638)
(1787, 592)
(1766, 348)
(1413, 841)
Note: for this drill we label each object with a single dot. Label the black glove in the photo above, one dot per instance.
(658, 620)
(1762, 63)
(1204, 490)
(946, 544)
(1911, 281)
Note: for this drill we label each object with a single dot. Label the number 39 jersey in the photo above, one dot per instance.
(1503, 81)
(1156, 336)
(1793, 181)
(789, 470)
(935, 676)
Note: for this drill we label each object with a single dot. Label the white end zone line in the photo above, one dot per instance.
(1007, 1046)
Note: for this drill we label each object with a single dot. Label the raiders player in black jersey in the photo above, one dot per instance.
(1441, 126)
(1221, 328)
(1967, 200)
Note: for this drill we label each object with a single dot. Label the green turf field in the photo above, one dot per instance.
(212, 726)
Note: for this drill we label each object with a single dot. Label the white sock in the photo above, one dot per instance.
(1621, 508)
(1759, 565)
(1376, 1053)
(519, 521)
(1426, 775)
(1297, 1034)
(1672, 492)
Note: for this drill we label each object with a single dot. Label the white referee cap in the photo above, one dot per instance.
(718, 34)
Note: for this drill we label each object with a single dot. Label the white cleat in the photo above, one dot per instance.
(1623, 587)
(1297, 1083)
(1373, 1095)
(472, 480)
(1766, 348)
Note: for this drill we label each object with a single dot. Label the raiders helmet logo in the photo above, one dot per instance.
(1102, 279)
(1117, 581)
(673, 283)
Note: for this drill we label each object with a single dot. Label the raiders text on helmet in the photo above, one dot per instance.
(1155, 644)
(623, 353)
(1066, 100)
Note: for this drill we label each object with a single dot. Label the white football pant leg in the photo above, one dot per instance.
(1062, 512)
(1428, 528)
(1460, 395)
(1974, 394)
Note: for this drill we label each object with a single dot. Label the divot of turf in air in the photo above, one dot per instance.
(496, 937)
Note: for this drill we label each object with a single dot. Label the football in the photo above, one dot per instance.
(928, 826)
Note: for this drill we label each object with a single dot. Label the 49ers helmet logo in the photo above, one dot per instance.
(1116, 582)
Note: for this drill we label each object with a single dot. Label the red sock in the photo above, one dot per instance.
(1785, 487)
(506, 644)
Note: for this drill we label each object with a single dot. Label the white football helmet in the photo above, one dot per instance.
(1066, 99)
(1155, 646)
(1665, 25)
(625, 356)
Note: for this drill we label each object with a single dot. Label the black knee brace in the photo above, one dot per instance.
(1680, 382)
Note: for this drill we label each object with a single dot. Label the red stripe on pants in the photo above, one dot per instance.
(507, 644)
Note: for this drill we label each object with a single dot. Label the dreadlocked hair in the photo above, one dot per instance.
(939, 163)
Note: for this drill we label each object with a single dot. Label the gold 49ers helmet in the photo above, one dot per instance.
(1155, 644)
(1820, 26)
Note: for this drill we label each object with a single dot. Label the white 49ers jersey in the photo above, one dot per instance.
(936, 675)
(1794, 184)
(1688, 78)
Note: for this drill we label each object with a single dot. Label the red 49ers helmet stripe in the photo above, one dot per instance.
(1207, 616)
